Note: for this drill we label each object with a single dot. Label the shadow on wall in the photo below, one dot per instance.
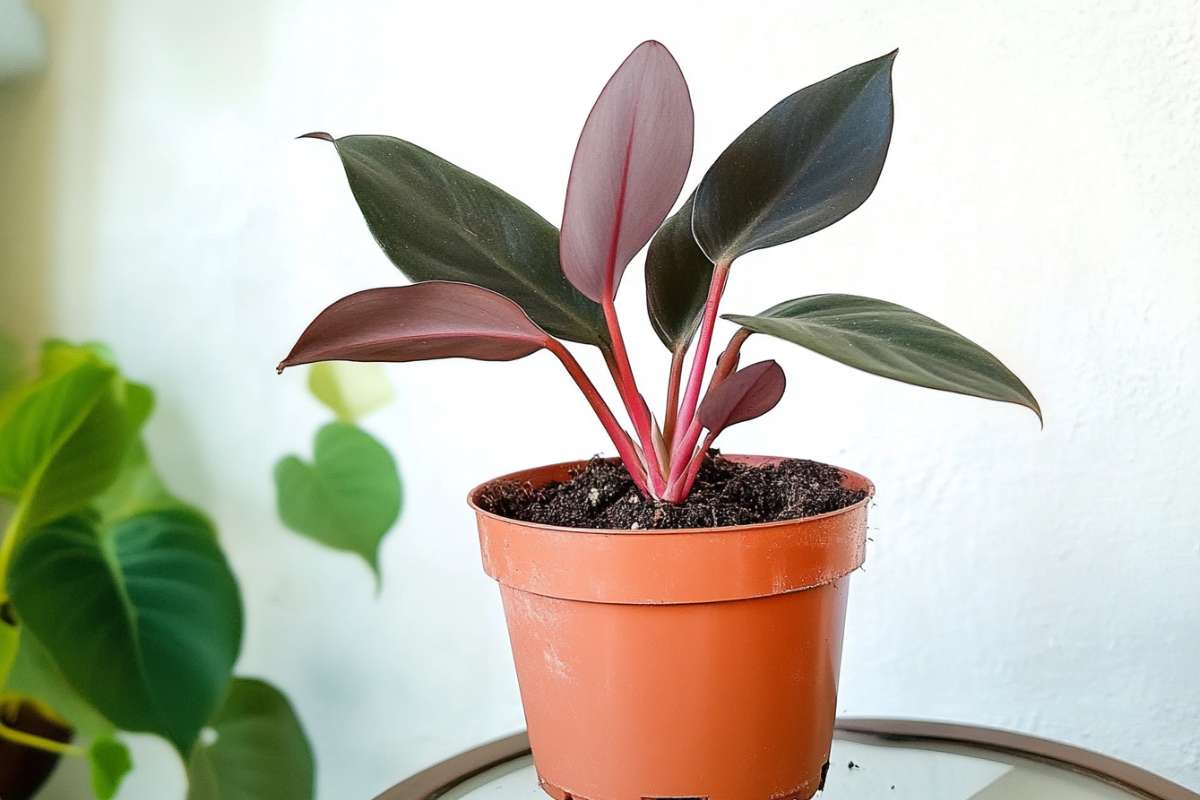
(35, 117)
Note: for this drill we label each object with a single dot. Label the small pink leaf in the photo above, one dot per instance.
(630, 163)
(748, 393)
(434, 319)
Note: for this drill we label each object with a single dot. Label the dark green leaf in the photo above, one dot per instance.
(805, 164)
(677, 278)
(893, 341)
(348, 498)
(110, 763)
(151, 625)
(257, 749)
(438, 222)
(35, 676)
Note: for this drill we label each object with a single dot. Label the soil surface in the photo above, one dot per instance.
(602, 495)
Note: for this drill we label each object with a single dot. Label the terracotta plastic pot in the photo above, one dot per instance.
(677, 664)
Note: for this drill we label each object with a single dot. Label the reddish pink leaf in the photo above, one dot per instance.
(434, 319)
(748, 393)
(630, 164)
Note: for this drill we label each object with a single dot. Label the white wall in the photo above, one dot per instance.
(1039, 196)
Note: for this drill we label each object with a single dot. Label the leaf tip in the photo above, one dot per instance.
(316, 135)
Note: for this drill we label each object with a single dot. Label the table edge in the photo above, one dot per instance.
(443, 776)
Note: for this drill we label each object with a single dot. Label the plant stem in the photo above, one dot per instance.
(624, 445)
(672, 411)
(9, 544)
(39, 742)
(635, 404)
(681, 458)
(684, 484)
(691, 396)
(727, 362)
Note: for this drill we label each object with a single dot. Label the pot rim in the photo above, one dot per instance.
(473, 494)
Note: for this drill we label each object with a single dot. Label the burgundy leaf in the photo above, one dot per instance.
(748, 393)
(434, 319)
(629, 167)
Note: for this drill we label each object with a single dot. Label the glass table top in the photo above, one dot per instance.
(882, 769)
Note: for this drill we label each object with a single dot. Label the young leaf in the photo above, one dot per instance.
(677, 278)
(892, 341)
(802, 166)
(629, 166)
(350, 391)
(110, 763)
(64, 441)
(438, 222)
(746, 394)
(436, 319)
(348, 498)
(258, 751)
(151, 626)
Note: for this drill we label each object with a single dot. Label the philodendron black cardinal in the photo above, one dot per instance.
(497, 282)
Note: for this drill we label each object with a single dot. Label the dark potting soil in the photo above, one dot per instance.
(602, 495)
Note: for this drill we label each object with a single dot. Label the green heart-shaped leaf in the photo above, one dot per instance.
(258, 749)
(348, 389)
(151, 624)
(809, 161)
(892, 341)
(348, 498)
(110, 763)
(677, 278)
(436, 221)
(64, 440)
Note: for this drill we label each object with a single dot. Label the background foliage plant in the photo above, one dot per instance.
(121, 612)
(495, 281)
(350, 495)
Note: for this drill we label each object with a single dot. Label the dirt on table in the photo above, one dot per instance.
(726, 492)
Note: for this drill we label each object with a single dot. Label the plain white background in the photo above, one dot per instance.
(1040, 196)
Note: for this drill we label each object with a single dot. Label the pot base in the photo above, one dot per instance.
(806, 791)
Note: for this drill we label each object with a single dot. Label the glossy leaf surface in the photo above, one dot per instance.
(259, 750)
(423, 321)
(802, 166)
(151, 625)
(677, 278)
(436, 221)
(892, 341)
(348, 498)
(350, 391)
(630, 163)
(746, 394)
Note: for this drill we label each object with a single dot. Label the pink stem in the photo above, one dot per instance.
(672, 410)
(683, 455)
(681, 489)
(620, 438)
(634, 403)
(687, 462)
(691, 396)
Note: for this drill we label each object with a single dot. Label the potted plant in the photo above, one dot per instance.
(675, 615)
